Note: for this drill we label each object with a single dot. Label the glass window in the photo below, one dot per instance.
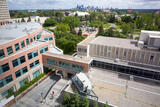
(22, 59)
(16, 46)
(46, 38)
(52, 62)
(77, 68)
(15, 63)
(5, 93)
(34, 37)
(44, 49)
(22, 83)
(18, 73)
(9, 50)
(35, 53)
(4, 68)
(34, 64)
(31, 40)
(64, 65)
(27, 41)
(21, 72)
(5, 81)
(22, 44)
(30, 56)
(36, 74)
(50, 38)
(2, 53)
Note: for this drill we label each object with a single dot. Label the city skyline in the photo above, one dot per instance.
(59, 4)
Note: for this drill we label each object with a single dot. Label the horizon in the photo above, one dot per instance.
(70, 4)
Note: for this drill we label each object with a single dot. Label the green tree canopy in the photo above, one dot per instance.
(50, 22)
(72, 21)
(80, 32)
(95, 23)
(62, 27)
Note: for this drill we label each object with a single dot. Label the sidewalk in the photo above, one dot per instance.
(57, 88)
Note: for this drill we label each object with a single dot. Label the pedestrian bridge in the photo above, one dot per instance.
(67, 64)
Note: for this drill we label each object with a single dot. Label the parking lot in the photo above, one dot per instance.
(120, 91)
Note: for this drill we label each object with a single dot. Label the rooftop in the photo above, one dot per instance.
(85, 60)
(116, 42)
(13, 31)
(153, 32)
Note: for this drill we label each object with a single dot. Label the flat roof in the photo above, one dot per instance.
(86, 41)
(115, 42)
(85, 60)
(31, 46)
(153, 32)
(11, 32)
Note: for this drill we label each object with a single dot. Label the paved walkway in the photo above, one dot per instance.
(32, 98)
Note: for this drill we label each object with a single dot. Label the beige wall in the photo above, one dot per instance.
(141, 56)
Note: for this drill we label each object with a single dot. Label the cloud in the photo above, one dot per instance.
(67, 4)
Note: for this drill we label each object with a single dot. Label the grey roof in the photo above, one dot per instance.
(115, 42)
(13, 31)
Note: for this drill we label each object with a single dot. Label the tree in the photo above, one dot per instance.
(10, 92)
(67, 100)
(50, 22)
(100, 30)
(95, 23)
(95, 104)
(80, 32)
(62, 27)
(72, 21)
(29, 19)
(85, 102)
(23, 20)
(75, 102)
(126, 19)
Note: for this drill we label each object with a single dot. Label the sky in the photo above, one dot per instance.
(67, 4)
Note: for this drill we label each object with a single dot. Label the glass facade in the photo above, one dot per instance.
(5, 81)
(2, 53)
(27, 41)
(22, 83)
(52, 62)
(31, 40)
(18, 61)
(21, 72)
(4, 68)
(9, 50)
(32, 54)
(34, 64)
(17, 46)
(127, 70)
(77, 68)
(44, 49)
(22, 44)
(64, 65)
(48, 38)
(36, 74)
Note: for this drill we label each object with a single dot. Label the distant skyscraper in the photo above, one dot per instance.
(4, 12)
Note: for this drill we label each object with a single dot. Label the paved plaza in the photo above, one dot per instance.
(122, 92)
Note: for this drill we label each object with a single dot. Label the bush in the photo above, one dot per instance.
(28, 84)
(50, 22)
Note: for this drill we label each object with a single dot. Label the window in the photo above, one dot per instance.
(5, 81)
(44, 49)
(64, 65)
(27, 41)
(21, 72)
(151, 58)
(38, 36)
(22, 44)
(36, 74)
(5, 93)
(50, 38)
(22, 83)
(9, 50)
(34, 64)
(2, 53)
(4, 68)
(46, 38)
(18, 61)
(52, 62)
(77, 68)
(34, 37)
(17, 46)
(32, 54)
(31, 40)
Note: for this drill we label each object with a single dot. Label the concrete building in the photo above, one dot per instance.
(4, 12)
(139, 58)
(21, 48)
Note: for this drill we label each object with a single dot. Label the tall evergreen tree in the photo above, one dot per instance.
(100, 30)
